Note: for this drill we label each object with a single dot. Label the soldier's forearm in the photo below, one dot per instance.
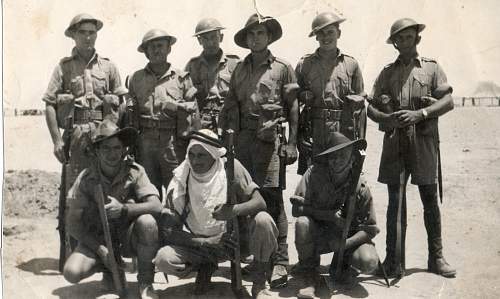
(83, 235)
(324, 215)
(440, 107)
(252, 206)
(377, 115)
(151, 205)
(357, 239)
(181, 238)
(50, 118)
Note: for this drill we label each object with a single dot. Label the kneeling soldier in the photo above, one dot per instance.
(320, 204)
(132, 204)
(196, 198)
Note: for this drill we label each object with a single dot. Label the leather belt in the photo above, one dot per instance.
(83, 116)
(152, 123)
(326, 114)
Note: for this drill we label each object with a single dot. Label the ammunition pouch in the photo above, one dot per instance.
(65, 104)
(83, 116)
(324, 121)
(187, 119)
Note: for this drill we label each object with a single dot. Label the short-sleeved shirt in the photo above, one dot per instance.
(151, 92)
(68, 77)
(406, 85)
(266, 81)
(244, 188)
(326, 78)
(131, 182)
(206, 76)
(319, 192)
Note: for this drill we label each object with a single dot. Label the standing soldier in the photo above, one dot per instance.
(256, 104)
(84, 89)
(330, 88)
(162, 109)
(417, 88)
(211, 71)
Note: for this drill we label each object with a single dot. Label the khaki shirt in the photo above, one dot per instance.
(130, 183)
(406, 85)
(319, 192)
(329, 79)
(206, 76)
(151, 92)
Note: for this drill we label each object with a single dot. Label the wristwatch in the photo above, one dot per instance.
(424, 113)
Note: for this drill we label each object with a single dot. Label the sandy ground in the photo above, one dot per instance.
(471, 209)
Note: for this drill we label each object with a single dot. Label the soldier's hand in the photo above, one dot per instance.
(59, 151)
(407, 117)
(224, 212)
(103, 254)
(291, 154)
(113, 208)
(297, 210)
(216, 241)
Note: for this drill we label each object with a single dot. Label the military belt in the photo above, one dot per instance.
(155, 123)
(326, 114)
(83, 116)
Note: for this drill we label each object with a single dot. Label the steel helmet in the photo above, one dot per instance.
(155, 34)
(401, 25)
(80, 18)
(207, 25)
(324, 19)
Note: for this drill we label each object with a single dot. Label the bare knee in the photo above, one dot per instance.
(365, 259)
(146, 229)
(263, 221)
(303, 229)
(72, 272)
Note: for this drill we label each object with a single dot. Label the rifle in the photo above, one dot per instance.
(282, 152)
(115, 271)
(232, 225)
(65, 243)
(359, 158)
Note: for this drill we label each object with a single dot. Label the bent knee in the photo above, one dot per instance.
(146, 228)
(303, 228)
(365, 259)
(72, 274)
(166, 260)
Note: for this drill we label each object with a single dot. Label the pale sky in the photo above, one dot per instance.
(463, 35)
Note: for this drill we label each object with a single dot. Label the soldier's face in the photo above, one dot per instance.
(328, 36)
(210, 42)
(339, 164)
(85, 36)
(258, 38)
(406, 41)
(110, 152)
(200, 159)
(158, 50)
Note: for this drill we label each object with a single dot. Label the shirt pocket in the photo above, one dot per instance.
(76, 86)
(421, 87)
(99, 83)
(223, 84)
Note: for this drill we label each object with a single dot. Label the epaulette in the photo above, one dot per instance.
(428, 59)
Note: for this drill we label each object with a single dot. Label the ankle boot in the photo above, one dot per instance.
(260, 270)
(309, 288)
(432, 219)
(203, 278)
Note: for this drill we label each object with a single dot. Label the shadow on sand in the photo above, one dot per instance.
(41, 266)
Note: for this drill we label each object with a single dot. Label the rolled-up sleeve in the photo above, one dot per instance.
(244, 185)
(55, 86)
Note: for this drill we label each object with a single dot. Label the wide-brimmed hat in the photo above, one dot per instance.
(155, 34)
(337, 141)
(272, 25)
(206, 136)
(80, 18)
(401, 25)
(108, 129)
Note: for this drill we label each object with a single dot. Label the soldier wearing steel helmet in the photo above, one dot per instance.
(85, 88)
(331, 90)
(164, 108)
(416, 89)
(211, 71)
(256, 103)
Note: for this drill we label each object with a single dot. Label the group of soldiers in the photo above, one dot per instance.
(156, 150)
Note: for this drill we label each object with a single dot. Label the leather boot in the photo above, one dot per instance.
(203, 278)
(259, 290)
(309, 288)
(432, 220)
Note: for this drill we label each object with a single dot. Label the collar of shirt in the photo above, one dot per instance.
(170, 71)
(76, 55)
(268, 61)
(317, 55)
(417, 60)
(222, 58)
(96, 173)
